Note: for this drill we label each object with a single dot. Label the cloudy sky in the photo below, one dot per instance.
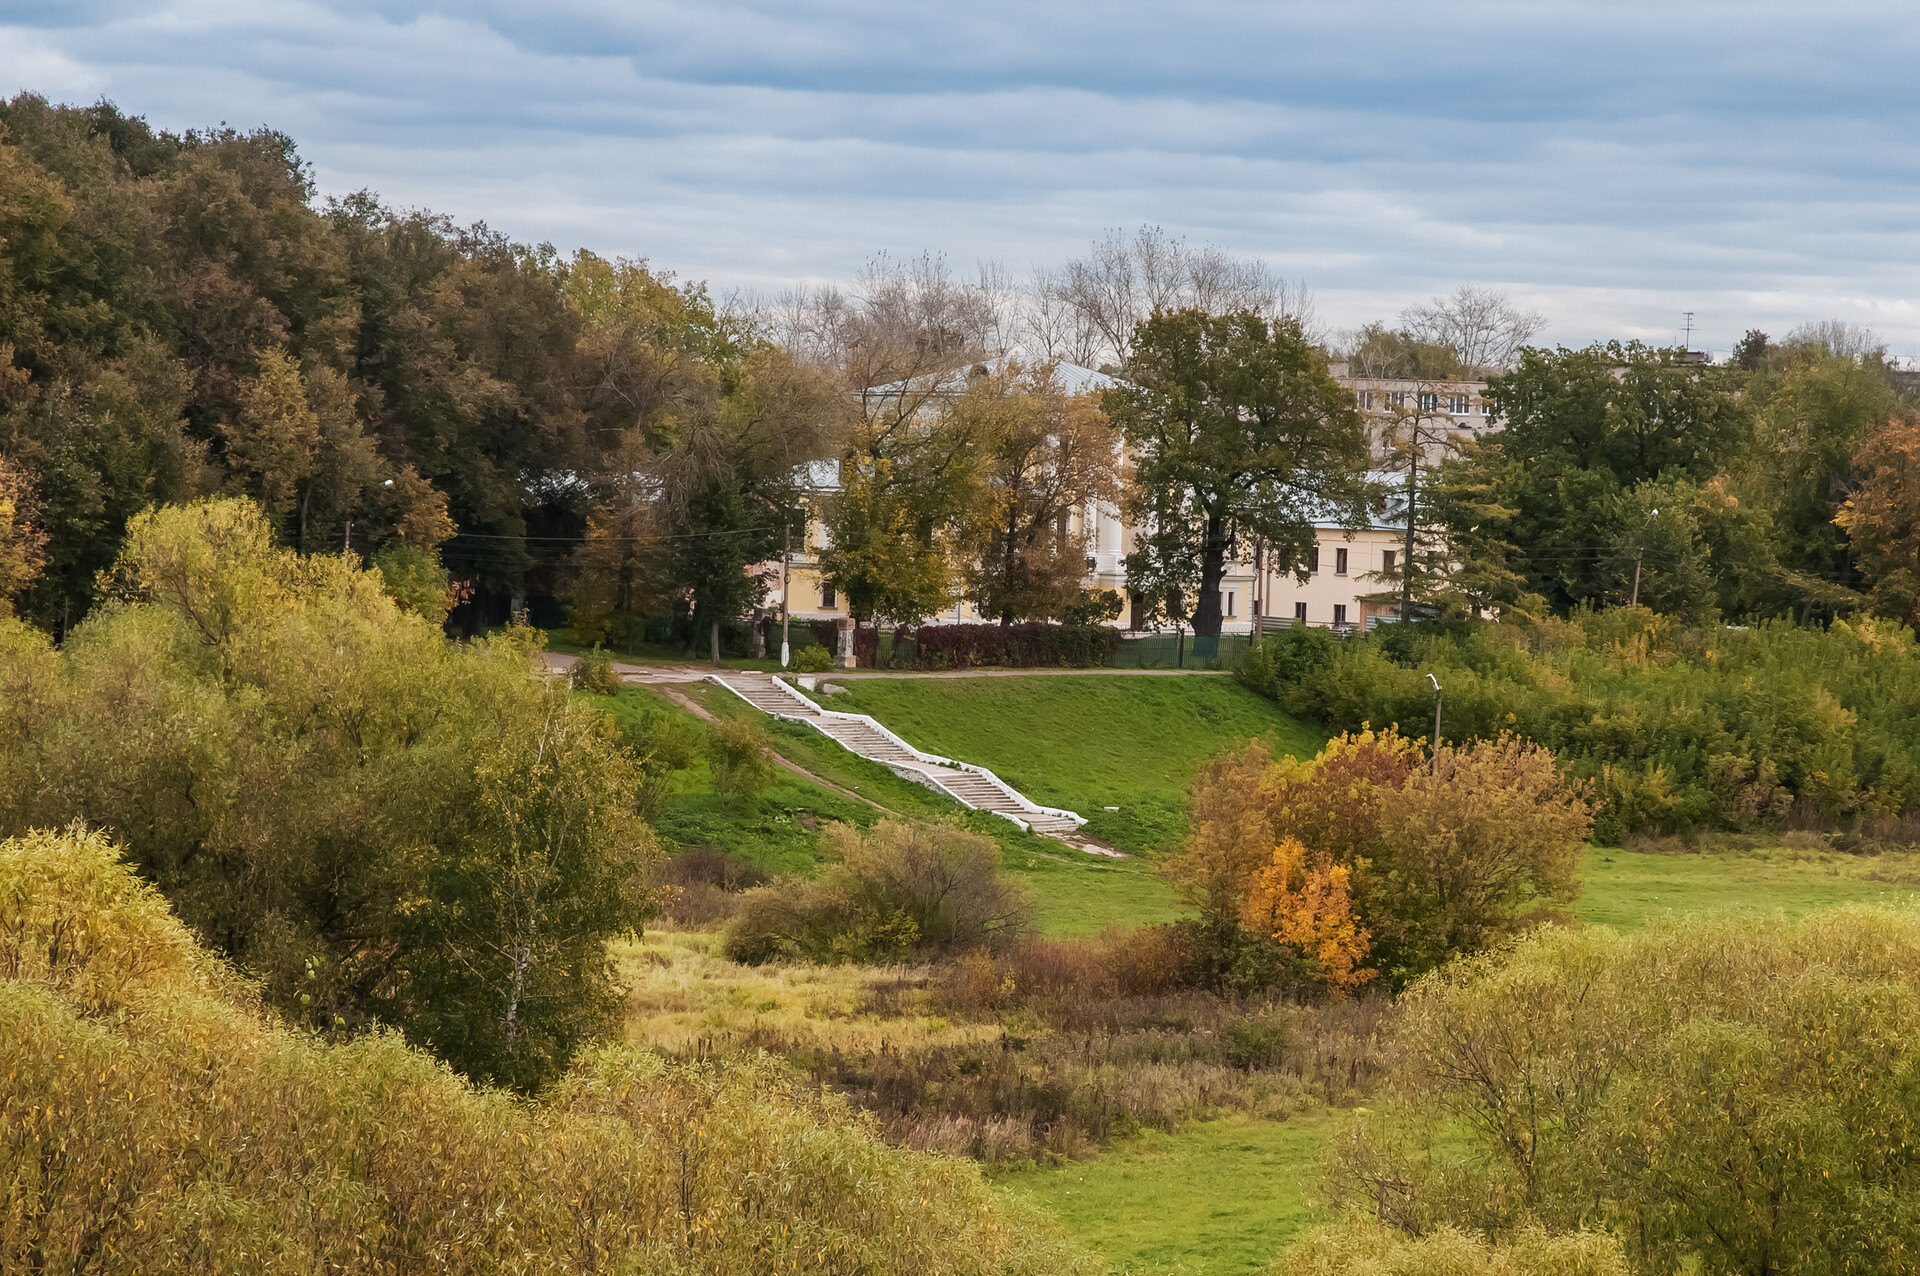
(1611, 164)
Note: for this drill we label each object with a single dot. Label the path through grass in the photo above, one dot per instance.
(1216, 1198)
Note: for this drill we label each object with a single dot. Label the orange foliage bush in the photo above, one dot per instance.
(1372, 843)
(1308, 907)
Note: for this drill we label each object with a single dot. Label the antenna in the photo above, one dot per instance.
(1689, 315)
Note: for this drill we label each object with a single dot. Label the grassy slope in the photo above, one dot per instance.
(1219, 1197)
(1085, 743)
(1626, 888)
(1075, 894)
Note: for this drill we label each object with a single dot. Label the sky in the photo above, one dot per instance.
(1610, 165)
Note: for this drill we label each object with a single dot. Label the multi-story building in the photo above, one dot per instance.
(1345, 567)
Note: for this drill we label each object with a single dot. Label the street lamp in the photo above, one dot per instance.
(1436, 717)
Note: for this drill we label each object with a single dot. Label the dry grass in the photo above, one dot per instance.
(685, 999)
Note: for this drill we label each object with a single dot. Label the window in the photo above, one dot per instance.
(1339, 613)
(1339, 562)
(1366, 400)
(1256, 607)
(828, 599)
(1313, 560)
(1457, 404)
(1397, 398)
(1486, 408)
(1300, 613)
(1386, 560)
(1231, 601)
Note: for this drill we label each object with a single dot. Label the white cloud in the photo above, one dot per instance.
(1611, 164)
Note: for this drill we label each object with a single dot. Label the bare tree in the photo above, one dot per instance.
(1483, 327)
(1842, 339)
(1054, 329)
(1126, 278)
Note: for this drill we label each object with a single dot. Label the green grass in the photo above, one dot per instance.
(1215, 1198)
(1085, 743)
(1625, 889)
(1074, 893)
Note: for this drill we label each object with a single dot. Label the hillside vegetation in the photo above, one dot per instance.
(1680, 728)
(156, 1120)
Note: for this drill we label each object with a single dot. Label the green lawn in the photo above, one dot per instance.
(1074, 893)
(1085, 743)
(1627, 888)
(1215, 1198)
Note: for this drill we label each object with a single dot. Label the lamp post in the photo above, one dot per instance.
(786, 578)
(1436, 718)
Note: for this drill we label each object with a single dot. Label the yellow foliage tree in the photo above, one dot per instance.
(1306, 903)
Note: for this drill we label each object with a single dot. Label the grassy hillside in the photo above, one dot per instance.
(1085, 742)
(1076, 894)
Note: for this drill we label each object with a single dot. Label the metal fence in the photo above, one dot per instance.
(1181, 651)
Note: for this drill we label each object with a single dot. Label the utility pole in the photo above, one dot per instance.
(1689, 315)
(1637, 551)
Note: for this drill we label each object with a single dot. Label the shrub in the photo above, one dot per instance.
(594, 672)
(1727, 1093)
(1367, 842)
(702, 885)
(1025, 646)
(362, 815)
(1678, 728)
(158, 1123)
(898, 888)
(1275, 663)
(739, 757)
(1361, 1247)
(813, 659)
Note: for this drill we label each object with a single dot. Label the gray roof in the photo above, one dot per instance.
(1070, 377)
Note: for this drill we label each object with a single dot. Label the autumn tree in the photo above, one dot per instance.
(1882, 518)
(23, 545)
(1236, 430)
(1050, 458)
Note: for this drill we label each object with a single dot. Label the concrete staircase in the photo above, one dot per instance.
(966, 784)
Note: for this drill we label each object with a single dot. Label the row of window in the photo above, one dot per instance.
(1340, 560)
(1424, 401)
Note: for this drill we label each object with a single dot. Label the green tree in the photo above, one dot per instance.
(383, 827)
(1235, 430)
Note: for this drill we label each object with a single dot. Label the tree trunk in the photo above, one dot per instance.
(713, 633)
(1213, 570)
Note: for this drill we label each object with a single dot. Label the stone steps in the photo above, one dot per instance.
(970, 788)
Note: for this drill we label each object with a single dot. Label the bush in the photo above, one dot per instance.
(1370, 848)
(739, 756)
(1728, 1093)
(897, 889)
(1027, 646)
(157, 1122)
(701, 886)
(813, 659)
(594, 672)
(1361, 1247)
(362, 815)
(1678, 728)
(1275, 663)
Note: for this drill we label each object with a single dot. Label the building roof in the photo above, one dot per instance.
(1070, 377)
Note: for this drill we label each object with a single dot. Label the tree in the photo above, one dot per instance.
(1882, 518)
(1579, 429)
(379, 826)
(1484, 329)
(22, 544)
(1049, 456)
(1235, 430)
